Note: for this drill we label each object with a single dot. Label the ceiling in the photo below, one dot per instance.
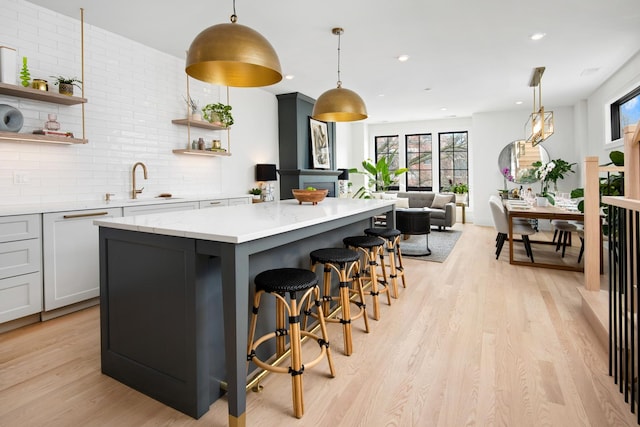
(466, 56)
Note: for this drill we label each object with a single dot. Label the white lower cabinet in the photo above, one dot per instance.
(71, 256)
(20, 266)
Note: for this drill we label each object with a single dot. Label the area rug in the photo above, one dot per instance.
(441, 244)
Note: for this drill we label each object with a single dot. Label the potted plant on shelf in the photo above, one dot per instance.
(257, 194)
(461, 191)
(218, 114)
(380, 178)
(65, 85)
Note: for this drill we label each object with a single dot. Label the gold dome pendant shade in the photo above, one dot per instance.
(339, 104)
(233, 55)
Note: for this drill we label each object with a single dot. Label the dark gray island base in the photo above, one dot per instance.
(175, 309)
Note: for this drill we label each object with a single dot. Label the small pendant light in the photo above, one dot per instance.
(233, 55)
(339, 104)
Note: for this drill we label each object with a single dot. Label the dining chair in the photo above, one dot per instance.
(502, 227)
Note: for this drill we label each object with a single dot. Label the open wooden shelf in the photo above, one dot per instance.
(198, 124)
(39, 95)
(201, 152)
(30, 137)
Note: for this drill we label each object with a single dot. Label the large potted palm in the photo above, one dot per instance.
(379, 177)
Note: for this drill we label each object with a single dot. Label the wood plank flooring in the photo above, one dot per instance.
(472, 341)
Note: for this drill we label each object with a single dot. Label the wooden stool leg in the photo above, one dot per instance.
(356, 281)
(400, 266)
(393, 274)
(345, 303)
(383, 267)
(325, 335)
(281, 319)
(254, 320)
(371, 259)
(296, 361)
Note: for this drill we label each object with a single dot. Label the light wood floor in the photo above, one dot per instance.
(472, 341)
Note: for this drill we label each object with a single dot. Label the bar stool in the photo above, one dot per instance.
(392, 239)
(278, 282)
(370, 247)
(346, 263)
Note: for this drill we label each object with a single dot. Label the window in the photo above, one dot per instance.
(418, 149)
(624, 112)
(387, 146)
(454, 165)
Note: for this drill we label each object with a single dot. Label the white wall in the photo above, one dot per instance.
(492, 131)
(133, 94)
(620, 83)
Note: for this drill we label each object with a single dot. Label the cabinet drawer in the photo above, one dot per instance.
(20, 296)
(19, 257)
(19, 227)
(158, 208)
(240, 201)
(213, 203)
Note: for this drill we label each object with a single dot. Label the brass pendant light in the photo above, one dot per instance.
(540, 124)
(233, 55)
(339, 104)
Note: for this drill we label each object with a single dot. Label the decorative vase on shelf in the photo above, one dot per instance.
(195, 117)
(52, 123)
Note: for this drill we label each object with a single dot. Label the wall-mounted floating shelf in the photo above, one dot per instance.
(39, 95)
(198, 124)
(201, 152)
(50, 139)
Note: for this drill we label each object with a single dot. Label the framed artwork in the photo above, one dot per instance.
(320, 144)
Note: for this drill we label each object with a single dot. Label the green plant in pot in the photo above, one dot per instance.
(66, 84)
(218, 113)
(379, 176)
(460, 190)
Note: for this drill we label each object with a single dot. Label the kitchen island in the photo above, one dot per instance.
(175, 290)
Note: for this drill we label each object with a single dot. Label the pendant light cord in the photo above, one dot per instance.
(339, 81)
(234, 17)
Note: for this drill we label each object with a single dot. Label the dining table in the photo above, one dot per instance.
(520, 208)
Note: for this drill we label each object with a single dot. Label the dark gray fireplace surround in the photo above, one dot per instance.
(296, 164)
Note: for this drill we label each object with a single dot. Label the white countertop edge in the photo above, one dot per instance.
(243, 223)
(49, 207)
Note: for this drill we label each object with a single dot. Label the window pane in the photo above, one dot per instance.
(418, 157)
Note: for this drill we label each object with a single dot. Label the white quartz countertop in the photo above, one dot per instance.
(243, 223)
(47, 207)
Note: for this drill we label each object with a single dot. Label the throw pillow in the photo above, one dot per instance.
(402, 202)
(440, 201)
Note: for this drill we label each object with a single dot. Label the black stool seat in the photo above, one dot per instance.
(363, 241)
(334, 255)
(386, 233)
(285, 280)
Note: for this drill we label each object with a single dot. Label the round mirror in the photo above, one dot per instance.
(518, 157)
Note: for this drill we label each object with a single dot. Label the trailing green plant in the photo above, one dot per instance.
(379, 176)
(219, 111)
(67, 80)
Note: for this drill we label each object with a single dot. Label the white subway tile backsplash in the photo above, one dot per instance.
(133, 93)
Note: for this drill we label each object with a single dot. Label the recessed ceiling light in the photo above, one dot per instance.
(403, 58)
(537, 36)
(381, 95)
(289, 77)
(518, 102)
(443, 109)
